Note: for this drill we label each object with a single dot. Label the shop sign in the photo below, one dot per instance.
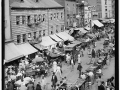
(92, 8)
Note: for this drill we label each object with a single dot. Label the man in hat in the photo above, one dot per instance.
(54, 80)
(38, 86)
(79, 68)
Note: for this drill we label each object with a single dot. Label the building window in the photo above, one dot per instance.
(39, 18)
(28, 19)
(105, 8)
(51, 28)
(18, 38)
(62, 27)
(105, 2)
(17, 20)
(51, 16)
(39, 33)
(43, 17)
(29, 35)
(43, 32)
(24, 37)
(37, 0)
(51, 32)
(23, 19)
(57, 15)
(61, 15)
(34, 35)
(67, 24)
(67, 16)
(22, 0)
(106, 15)
(54, 15)
(35, 18)
(56, 27)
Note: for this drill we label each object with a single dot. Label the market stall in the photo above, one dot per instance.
(71, 48)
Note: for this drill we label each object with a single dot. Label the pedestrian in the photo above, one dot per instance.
(107, 84)
(93, 55)
(10, 86)
(54, 66)
(99, 72)
(58, 71)
(68, 58)
(72, 64)
(102, 86)
(82, 54)
(98, 81)
(90, 78)
(43, 82)
(30, 86)
(54, 80)
(38, 86)
(83, 76)
(79, 68)
(79, 58)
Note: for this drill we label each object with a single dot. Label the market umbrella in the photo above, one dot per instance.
(13, 77)
(27, 80)
(106, 39)
(53, 55)
(38, 59)
(19, 82)
(19, 74)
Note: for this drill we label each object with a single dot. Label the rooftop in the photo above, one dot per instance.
(33, 4)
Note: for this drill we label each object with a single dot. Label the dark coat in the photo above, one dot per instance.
(101, 87)
(54, 80)
(79, 67)
(10, 86)
(30, 87)
(93, 53)
(38, 87)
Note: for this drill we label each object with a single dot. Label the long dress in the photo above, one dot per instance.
(54, 66)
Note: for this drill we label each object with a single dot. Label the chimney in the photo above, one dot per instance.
(36, 0)
(21, 0)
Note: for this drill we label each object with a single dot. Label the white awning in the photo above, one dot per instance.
(96, 22)
(12, 52)
(81, 29)
(56, 38)
(26, 49)
(60, 35)
(47, 41)
(70, 38)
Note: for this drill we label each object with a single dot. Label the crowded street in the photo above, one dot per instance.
(72, 76)
(59, 45)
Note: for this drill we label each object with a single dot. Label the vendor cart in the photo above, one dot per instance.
(71, 48)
